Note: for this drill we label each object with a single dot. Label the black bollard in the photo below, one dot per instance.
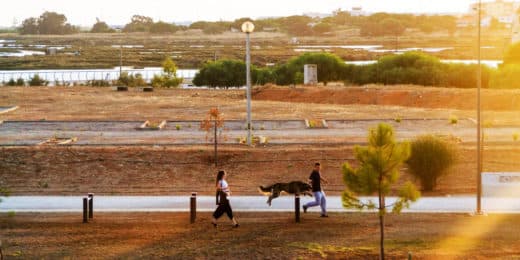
(193, 207)
(85, 209)
(91, 205)
(297, 208)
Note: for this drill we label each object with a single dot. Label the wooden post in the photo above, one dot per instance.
(193, 207)
(91, 205)
(297, 208)
(85, 209)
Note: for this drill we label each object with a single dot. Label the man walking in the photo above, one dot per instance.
(319, 196)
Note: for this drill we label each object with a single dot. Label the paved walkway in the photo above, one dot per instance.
(458, 204)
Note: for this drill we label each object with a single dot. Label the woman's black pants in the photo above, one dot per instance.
(223, 207)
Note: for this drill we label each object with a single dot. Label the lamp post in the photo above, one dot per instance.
(479, 144)
(248, 27)
(120, 58)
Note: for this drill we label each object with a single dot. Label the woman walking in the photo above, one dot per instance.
(223, 192)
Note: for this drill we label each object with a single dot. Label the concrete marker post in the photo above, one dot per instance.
(85, 209)
(193, 207)
(91, 205)
(297, 208)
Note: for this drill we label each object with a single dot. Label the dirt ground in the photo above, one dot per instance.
(182, 170)
(260, 236)
(372, 101)
(166, 170)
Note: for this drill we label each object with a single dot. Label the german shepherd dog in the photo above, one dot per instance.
(294, 187)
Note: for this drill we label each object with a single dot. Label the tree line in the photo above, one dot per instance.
(409, 68)
(378, 24)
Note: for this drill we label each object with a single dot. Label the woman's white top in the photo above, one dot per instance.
(224, 186)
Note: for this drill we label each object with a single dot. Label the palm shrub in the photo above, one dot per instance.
(430, 158)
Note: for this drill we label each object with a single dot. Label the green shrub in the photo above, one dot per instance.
(37, 81)
(454, 119)
(222, 73)
(18, 82)
(169, 77)
(506, 77)
(330, 68)
(131, 80)
(430, 159)
(4, 193)
(464, 75)
(418, 69)
(97, 83)
(11, 82)
(512, 55)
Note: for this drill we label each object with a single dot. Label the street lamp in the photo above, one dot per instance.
(479, 144)
(248, 27)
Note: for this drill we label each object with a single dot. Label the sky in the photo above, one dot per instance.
(119, 12)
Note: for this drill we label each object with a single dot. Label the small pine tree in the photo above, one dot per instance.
(378, 170)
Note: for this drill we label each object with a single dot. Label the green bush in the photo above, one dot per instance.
(37, 81)
(169, 77)
(262, 76)
(454, 119)
(465, 75)
(430, 159)
(17, 82)
(97, 83)
(330, 68)
(506, 77)
(130, 80)
(222, 73)
(512, 55)
(418, 69)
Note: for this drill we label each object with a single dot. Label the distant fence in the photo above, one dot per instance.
(83, 76)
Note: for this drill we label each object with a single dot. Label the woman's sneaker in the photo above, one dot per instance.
(324, 216)
(305, 209)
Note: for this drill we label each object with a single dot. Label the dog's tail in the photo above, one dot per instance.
(263, 189)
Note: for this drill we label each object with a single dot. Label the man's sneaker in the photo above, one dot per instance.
(304, 209)
(324, 216)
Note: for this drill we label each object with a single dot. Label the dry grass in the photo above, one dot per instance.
(261, 235)
(83, 103)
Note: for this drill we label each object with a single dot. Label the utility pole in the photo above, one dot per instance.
(479, 124)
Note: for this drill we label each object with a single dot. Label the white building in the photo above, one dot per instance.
(357, 11)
